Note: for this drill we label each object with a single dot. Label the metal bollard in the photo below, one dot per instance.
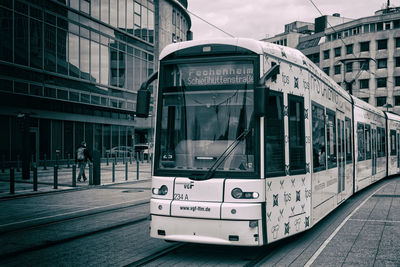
(18, 160)
(35, 179)
(32, 162)
(137, 166)
(73, 175)
(57, 157)
(107, 155)
(90, 173)
(12, 181)
(115, 159)
(113, 172)
(44, 161)
(55, 183)
(126, 171)
(68, 161)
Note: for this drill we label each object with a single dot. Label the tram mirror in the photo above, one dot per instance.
(143, 97)
(262, 91)
(143, 103)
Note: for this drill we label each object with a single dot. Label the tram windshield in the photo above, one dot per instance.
(203, 109)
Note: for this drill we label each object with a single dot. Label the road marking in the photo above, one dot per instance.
(72, 212)
(322, 247)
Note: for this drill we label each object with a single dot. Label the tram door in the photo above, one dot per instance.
(373, 150)
(341, 156)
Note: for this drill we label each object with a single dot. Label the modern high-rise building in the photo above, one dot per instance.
(70, 70)
(363, 55)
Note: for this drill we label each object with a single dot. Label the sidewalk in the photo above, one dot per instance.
(46, 178)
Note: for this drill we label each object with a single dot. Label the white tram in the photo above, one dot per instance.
(254, 143)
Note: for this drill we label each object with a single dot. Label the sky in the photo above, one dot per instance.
(258, 19)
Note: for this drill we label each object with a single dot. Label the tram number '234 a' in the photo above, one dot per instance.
(181, 197)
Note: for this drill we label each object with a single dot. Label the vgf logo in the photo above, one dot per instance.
(188, 185)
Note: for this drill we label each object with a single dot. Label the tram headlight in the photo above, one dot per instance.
(162, 191)
(237, 193)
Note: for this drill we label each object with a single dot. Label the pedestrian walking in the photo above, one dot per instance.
(81, 158)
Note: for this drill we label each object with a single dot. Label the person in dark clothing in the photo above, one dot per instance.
(82, 156)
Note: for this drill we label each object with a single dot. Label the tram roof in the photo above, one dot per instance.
(392, 116)
(364, 105)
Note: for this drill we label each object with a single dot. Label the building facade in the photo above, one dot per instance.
(363, 55)
(366, 54)
(70, 70)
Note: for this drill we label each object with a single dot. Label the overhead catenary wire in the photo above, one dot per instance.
(209, 23)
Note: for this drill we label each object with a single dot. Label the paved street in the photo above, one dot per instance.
(107, 226)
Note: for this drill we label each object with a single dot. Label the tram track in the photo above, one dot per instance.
(44, 243)
(50, 220)
(156, 255)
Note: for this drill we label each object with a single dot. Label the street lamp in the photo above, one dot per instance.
(387, 106)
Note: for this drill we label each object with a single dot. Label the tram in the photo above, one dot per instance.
(254, 143)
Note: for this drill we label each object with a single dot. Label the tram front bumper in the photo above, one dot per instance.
(207, 231)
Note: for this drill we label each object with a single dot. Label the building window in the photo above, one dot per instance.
(364, 46)
(397, 100)
(380, 101)
(326, 54)
(397, 42)
(314, 57)
(365, 99)
(397, 81)
(396, 24)
(382, 63)
(349, 67)
(382, 44)
(337, 69)
(338, 51)
(349, 49)
(326, 70)
(397, 62)
(381, 82)
(364, 83)
(364, 65)
(387, 25)
(372, 27)
(379, 26)
(366, 28)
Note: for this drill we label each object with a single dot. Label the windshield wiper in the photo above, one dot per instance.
(222, 157)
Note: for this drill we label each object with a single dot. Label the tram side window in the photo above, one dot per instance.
(393, 142)
(297, 148)
(349, 155)
(379, 141)
(274, 136)
(361, 147)
(331, 139)
(383, 142)
(367, 141)
(318, 138)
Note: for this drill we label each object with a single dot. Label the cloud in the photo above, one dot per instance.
(257, 18)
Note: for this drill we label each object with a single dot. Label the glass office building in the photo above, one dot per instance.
(70, 70)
